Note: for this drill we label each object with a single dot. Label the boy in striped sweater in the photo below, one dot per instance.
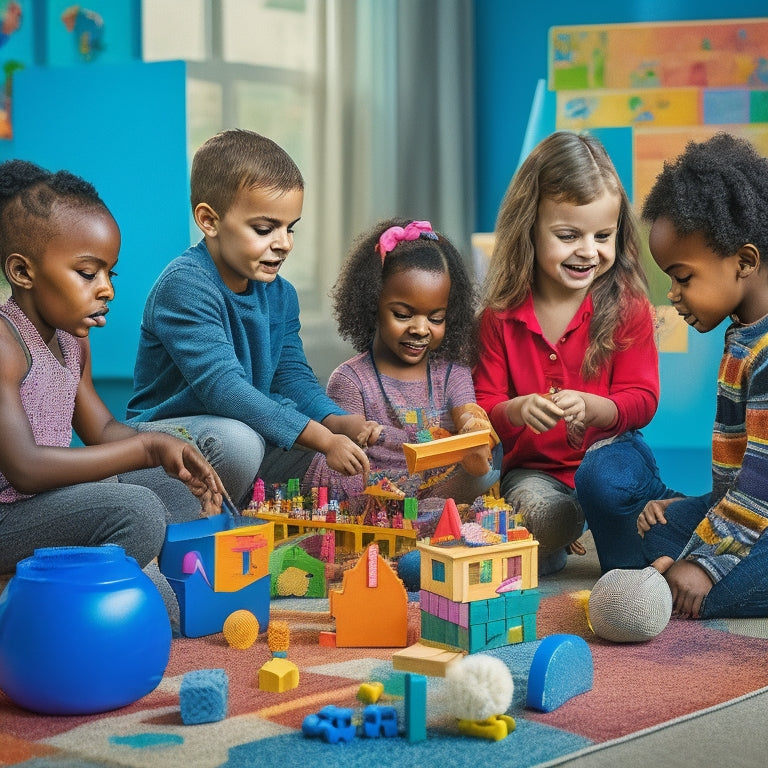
(708, 211)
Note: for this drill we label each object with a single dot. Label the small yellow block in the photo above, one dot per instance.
(278, 675)
(515, 635)
(370, 693)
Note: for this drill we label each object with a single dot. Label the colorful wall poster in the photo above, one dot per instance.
(722, 53)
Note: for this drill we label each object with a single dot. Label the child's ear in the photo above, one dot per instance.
(207, 219)
(18, 271)
(749, 259)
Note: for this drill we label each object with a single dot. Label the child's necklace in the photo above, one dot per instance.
(412, 419)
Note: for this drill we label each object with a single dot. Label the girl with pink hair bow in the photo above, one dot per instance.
(406, 304)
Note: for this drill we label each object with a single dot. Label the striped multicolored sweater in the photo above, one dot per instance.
(739, 454)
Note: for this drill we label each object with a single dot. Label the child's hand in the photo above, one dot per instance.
(471, 418)
(539, 413)
(653, 513)
(346, 457)
(369, 434)
(184, 461)
(572, 404)
(689, 584)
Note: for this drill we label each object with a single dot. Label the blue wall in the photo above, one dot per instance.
(122, 127)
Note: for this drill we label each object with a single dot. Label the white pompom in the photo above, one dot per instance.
(478, 687)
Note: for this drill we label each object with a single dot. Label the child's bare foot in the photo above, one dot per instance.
(576, 548)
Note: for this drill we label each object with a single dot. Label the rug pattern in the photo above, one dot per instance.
(690, 667)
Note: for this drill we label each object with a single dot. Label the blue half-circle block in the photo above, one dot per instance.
(561, 669)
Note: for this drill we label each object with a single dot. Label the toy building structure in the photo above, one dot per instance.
(473, 597)
(371, 608)
(216, 567)
(296, 573)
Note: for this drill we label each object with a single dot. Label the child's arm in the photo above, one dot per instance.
(32, 468)
(341, 453)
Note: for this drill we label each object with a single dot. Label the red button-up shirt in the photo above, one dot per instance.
(516, 359)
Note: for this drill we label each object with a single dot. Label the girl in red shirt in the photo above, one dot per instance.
(567, 352)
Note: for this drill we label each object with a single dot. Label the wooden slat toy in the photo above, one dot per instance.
(440, 453)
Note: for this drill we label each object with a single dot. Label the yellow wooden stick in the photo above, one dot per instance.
(440, 453)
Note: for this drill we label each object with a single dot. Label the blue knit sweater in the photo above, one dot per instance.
(206, 350)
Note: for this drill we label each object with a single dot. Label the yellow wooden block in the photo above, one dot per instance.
(278, 675)
(446, 450)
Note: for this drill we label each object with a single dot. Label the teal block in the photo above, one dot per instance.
(497, 609)
(462, 640)
(562, 668)
(477, 638)
(529, 628)
(496, 629)
(415, 707)
(478, 612)
(520, 603)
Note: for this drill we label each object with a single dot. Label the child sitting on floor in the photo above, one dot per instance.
(59, 245)
(219, 352)
(405, 302)
(709, 233)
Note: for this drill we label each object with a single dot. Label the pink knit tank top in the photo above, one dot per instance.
(48, 390)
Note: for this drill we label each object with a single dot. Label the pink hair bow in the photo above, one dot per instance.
(394, 235)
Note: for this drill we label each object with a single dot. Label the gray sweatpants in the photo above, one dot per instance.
(131, 510)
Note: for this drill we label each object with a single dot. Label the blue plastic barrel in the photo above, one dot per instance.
(82, 630)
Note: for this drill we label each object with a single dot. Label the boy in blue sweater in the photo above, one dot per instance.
(219, 352)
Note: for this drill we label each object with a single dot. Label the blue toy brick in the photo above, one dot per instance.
(478, 612)
(562, 668)
(496, 629)
(529, 628)
(415, 707)
(521, 603)
(497, 609)
(203, 696)
(477, 638)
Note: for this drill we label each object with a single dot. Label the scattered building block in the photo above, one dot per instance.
(425, 659)
(370, 693)
(562, 668)
(327, 639)
(278, 675)
(415, 707)
(203, 696)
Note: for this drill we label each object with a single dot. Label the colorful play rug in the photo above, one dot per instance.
(690, 667)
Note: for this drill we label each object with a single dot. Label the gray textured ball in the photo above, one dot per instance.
(630, 606)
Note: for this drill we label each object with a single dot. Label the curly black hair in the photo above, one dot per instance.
(355, 294)
(30, 197)
(718, 188)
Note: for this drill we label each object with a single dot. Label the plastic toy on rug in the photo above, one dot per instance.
(562, 668)
(473, 598)
(371, 608)
(82, 630)
(216, 567)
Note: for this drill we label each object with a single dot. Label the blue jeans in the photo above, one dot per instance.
(615, 480)
(234, 450)
(743, 592)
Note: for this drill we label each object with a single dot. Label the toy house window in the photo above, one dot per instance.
(514, 567)
(480, 572)
(438, 571)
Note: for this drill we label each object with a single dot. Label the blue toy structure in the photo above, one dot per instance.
(216, 567)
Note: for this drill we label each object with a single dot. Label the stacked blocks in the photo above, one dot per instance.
(203, 696)
(478, 598)
(480, 625)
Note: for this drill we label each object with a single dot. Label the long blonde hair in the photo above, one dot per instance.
(573, 168)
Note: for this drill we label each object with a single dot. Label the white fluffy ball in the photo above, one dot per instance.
(479, 686)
